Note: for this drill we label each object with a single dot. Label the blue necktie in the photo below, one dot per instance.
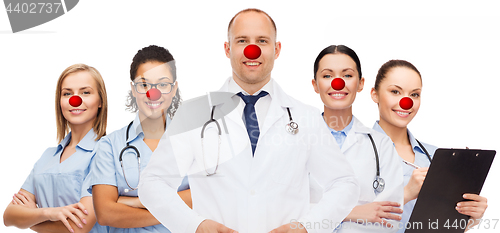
(251, 117)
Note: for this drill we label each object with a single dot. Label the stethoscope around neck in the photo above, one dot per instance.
(138, 160)
(292, 127)
(425, 151)
(379, 182)
(219, 131)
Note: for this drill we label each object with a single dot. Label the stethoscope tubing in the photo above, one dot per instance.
(379, 183)
(138, 159)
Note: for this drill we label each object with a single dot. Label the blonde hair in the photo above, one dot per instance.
(100, 122)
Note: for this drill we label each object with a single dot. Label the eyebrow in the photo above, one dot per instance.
(396, 86)
(416, 89)
(346, 69)
(162, 78)
(65, 88)
(240, 37)
(246, 37)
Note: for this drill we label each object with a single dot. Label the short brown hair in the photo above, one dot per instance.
(252, 10)
(100, 122)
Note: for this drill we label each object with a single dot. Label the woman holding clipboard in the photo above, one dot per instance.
(397, 91)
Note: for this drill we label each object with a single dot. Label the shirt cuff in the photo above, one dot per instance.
(194, 224)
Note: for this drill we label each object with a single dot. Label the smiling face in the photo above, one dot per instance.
(80, 84)
(252, 28)
(333, 66)
(399, 82)
(153, 73)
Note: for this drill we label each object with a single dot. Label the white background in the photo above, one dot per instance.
(454, 44)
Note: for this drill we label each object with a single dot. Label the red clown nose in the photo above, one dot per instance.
(75, 101)
(338, 84)
(153, 94)
(406, 103)
(252, 51)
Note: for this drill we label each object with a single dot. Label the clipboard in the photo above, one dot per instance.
(452, 173)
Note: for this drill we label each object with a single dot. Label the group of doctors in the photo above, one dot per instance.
(286, 167)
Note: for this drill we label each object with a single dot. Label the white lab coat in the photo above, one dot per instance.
(358, 150)
(260, 193)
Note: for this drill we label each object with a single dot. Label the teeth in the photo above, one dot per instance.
(337, 95)
(402, 113)
(76, 111)
(153, 104)
(252, 63)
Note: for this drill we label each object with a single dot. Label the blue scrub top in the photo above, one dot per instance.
(421, 160)
(106, 168)
(56, 184)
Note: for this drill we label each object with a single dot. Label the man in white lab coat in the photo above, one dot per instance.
(265, 186)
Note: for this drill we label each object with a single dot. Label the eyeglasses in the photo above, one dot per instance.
(143, 87)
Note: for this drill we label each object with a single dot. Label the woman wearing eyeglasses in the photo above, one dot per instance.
(123, 154)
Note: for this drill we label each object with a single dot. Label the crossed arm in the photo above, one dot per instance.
(124, 212)
(23, 213)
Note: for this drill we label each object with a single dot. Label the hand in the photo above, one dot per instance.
(22, 198)
(416, 180)
(130, 201)
(209, 226)
(475, 208)
(375, 211)
(70, 211)
(290, 228)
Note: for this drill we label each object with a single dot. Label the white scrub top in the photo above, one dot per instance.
(106, 167)
(258, 193)
(358, 150)
(421, 160)
(56, 184)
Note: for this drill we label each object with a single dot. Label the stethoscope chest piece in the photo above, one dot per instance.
(292, 128)
(379, 184)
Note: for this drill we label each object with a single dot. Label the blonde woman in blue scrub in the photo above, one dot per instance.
(377, 209)
(54, 197)
(114, 184)
(398, 79)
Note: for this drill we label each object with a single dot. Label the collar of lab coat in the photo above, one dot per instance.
(136, 128)
(279, 102)
(233, 87)
(357, 128)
